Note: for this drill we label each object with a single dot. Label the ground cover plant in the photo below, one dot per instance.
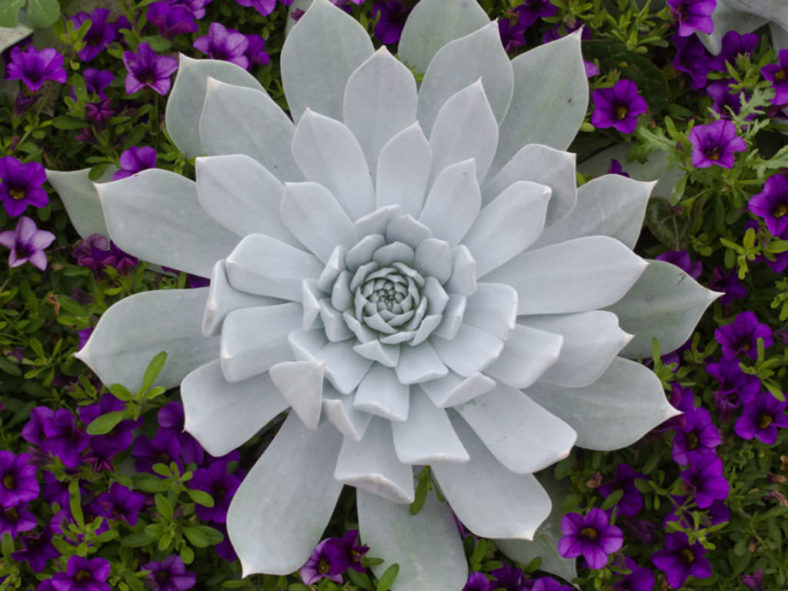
(101, 487)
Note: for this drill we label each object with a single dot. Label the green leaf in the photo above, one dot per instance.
(66, 122)
(387, 578)
(9, 12)
(136, 540)
(152, 485)
(105, 423)
(201, 497)
(196, 537)
(154, 369)
(43, 13)
(612, 499)
(187, 555)
(75, 502)
(121, 392)
(163, 506)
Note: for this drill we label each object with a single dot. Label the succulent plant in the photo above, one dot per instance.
(408, 270)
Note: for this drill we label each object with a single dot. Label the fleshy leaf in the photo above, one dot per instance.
(462, 62)
(489, 499)
(427, 436)
(665, 303)
(550, 98)
(434, 23)
(155, 215)
(613, 412)
(403, 171)
(125, 340)
(426, 546)
(240, 120)
(380, 101)
(81, 199)
(294, 476)
(184, 106)
(611, 205)
(222, 415)
(319, 55)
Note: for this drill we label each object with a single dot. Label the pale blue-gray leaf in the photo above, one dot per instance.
(404, 170)
(223, 299)
(293, 477)
(610, 205)
(223, 415)
(380, 101)
(493, 307)
(81, 200)
(521, 434)
(301, 384)
(185, 103)
(427, 436)
(453, 202)
(380, 393)
(573, 276)
(471, 350)
(435, 23)
(419, 364)
(526, 355)
(550, 98)
(489, 499)
(664, 304)
(426, 546)
(239, 120)
(319, 55)
(613, 412)
(138, 327)
(453, 389)
(539, 164)
(591, 342)
(465, 128)
(462, 62)
(372, 465)
(155, 215)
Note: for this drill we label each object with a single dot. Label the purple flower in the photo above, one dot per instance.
(692, 58)
(591, 536)
(615, 168)
(753, 582)
(33, 431)
(18, 482)
(729, 283)
(533, 10)
(15, 520)
(681, 259)
(134, 160)
(346, 552)
(639, 579)
(761, 417)
(146, 69)
(511, 31)
(733, 46)
(318, 566)
(724, 98)
(96, 253)
(169, 575)
(21, 185)
(97, 81)
(632, 501)
(118, 503)
(83, 574)
(391, 16)
(693, 15)
(777, 74)
(772, 204)
(618, 107)
(27, 244)
(197, 7)
(171, 435)
(99, 113)
(104, 447)
(264, 7)
(225, 44)
(255, 50)
(696, 434)
(34, 67)
(477, 582)
(704, 478)
(680, 560)
(171, 19)
(98, 35)
(38, 550)
(549, 584)
(220, 485)
(509, 577)
(714, 144)
(741, 336)
(64, 439)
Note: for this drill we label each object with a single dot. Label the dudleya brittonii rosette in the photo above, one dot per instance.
(410, 269)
